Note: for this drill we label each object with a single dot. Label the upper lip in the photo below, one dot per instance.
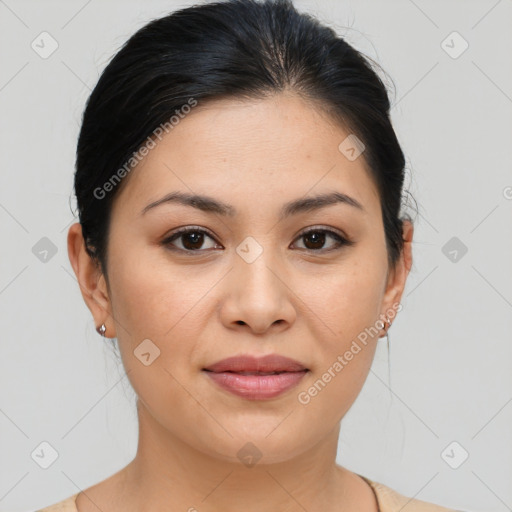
(248, 363)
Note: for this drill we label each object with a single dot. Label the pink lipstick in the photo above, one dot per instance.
(256, 378)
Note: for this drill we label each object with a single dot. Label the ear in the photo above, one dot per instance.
(91, 280)
(398, 276)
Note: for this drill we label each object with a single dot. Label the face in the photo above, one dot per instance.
(251, 277)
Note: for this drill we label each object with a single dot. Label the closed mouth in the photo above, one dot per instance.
(255, 373)
(246, 364)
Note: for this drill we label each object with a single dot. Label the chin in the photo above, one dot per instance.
(261, 445)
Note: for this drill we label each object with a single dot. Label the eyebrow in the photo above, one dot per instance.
(211, 205)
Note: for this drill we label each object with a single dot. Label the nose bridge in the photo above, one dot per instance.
(256, 265)
(256, 294)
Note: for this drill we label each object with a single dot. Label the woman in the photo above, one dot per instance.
(239, 185)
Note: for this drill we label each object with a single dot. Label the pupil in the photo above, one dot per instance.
(318, 239)
(196, 239)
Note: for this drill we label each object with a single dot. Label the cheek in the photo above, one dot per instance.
(164, 303)
(152, 297)
(346, 300)
(347, 309)
(154, 302)
(343, 307)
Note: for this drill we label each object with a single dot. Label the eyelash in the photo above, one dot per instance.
(341, 240)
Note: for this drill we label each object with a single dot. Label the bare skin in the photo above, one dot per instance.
(299, 298)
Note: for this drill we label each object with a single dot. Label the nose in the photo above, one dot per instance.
(257, 297)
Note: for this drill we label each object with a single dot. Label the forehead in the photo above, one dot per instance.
(253, 152)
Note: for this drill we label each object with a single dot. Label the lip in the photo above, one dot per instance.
(248, 376)
(248, 363)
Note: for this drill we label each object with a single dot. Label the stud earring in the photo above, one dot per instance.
(101, 330)
(388, 322)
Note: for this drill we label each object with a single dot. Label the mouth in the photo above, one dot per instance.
(255, 378)
(248, 364)
(249, 373)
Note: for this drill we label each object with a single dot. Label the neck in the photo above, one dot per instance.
(166, 470)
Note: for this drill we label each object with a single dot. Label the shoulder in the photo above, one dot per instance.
(390, 500)
(67, 505)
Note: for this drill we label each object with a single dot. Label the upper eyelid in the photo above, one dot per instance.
(323, 228)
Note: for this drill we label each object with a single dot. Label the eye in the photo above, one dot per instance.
(192, 239)
(316, 238)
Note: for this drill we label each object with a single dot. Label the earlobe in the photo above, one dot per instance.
(90, 279)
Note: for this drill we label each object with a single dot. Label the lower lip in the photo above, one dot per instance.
(257, 387)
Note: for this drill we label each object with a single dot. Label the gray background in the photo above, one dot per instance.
(450, 355)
